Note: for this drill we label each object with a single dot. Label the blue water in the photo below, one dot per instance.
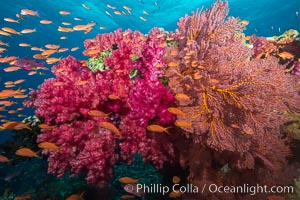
(267, 18)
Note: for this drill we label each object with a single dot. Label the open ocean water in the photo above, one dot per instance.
(266, 18)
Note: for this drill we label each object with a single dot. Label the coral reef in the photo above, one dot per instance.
(128, 102)
(233, 102)
(228, 123)
(145, 172)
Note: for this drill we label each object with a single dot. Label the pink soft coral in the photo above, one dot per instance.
(131, 102)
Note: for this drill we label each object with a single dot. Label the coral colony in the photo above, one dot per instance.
(228, 102)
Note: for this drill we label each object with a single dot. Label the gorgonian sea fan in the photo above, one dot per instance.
(233, 101)
(111, 87)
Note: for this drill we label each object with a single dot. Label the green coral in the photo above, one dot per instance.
(145, 172)
(97, 63)
(133, 74)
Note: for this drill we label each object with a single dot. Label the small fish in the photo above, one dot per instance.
(48, 146)
(76, 197)
(11, 30)
(26, 152)
(157, 128)
(28, 31)
(62, 12)
(111, 7)
(64, 29)
(77, 19)
(113, 97)
(183, 124)
(145, 12)
(66, 23)
(11, 20)
(29, 12)
(49, 52)
(117, 12)
(46, 126)
(63, 49)
(63, 38)
(176, 179)
(4, 43)
(176, 111)
(244, 22)
(128, 196)
(142, 18)
(85, 6)
(18, 15)
(3, 159)
(32, 73)
(175, 194)
(111, 127)
(286, 55)
(128, 180)
(80, 83)
(19, 81)
(24, 45)
(44, 21)
(59, 83)
(39, 56)
(52, 60)
(74, 48)
(4, 33)
(127, 8)
(156, 4)
(108, 14)
(12, 69)
(97, 113)
(52, 46)
(172, 64)
(182, 96)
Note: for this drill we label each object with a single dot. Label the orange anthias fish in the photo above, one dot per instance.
(175, 194)
(8, 93)
(26, 153)
(113, 97)
(46, 126)
(175, 179)
(286, 55)
(48, 146)
(128, 196)
(182, 96)
(183, 124)
(98, 113)
(111, 127)
(11, 69)
(176, 111)
(45, 21)
(11, 30)
(128, 180)
(157, 128)
(3, 159)
(62, 12)
(80, 83)
(29, 12)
